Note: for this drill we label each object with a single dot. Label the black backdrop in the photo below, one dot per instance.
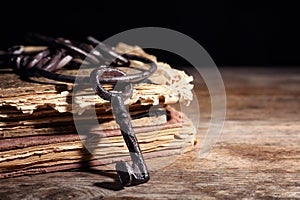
(234, 34)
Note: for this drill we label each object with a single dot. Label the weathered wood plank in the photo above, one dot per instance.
(257, 156)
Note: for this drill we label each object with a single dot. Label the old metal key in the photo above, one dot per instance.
(136, 173)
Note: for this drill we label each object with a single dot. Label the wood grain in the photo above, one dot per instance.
(257, 156)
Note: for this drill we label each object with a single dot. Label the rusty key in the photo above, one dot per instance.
(136, 173)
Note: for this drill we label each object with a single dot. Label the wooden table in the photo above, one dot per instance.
(257, 156)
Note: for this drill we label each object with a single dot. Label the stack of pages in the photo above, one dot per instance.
(48, 126)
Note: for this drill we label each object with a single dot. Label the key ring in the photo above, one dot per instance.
(97, 77)
(53, 58)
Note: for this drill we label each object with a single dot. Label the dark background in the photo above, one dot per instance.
(233, 33)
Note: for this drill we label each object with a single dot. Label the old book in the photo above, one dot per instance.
(39, 129)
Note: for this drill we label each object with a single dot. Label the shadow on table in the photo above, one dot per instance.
(114, 185)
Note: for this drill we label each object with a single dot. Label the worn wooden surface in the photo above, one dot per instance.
(257, 156)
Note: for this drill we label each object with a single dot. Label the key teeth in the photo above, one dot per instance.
(124, 173)
(144, 179)
(127, 176)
